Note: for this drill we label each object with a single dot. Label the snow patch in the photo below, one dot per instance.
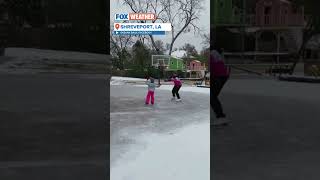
(127, 79)
(116, 81)
(32, 53)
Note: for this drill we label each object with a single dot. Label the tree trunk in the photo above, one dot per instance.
(171, 47)
(154, 44)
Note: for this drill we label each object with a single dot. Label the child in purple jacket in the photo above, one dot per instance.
(219, 74)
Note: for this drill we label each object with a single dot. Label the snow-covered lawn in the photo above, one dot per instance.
(31, 60)
(127, 78)
(184, 155)
(115, 80)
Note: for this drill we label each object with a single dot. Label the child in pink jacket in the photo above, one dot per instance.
(177, 85)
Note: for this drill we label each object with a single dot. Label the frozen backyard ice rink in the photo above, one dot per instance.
(274, 133)
(167, 141)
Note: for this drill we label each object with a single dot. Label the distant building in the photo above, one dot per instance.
(225, 12)
(273, 32)
(278, 13)
(176, 64)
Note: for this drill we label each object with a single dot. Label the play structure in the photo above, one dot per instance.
(196, 69)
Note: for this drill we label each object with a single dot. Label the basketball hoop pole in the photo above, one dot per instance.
(159, 69)
(160, 62)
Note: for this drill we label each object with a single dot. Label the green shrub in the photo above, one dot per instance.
(136, 73)
(153, 72)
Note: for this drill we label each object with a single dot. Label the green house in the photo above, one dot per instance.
(223, 12)
(176, 64)
(171, 63)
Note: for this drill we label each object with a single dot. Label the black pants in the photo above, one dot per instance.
(175, 91)
(216, 84)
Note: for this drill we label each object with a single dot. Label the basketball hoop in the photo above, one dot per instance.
(160, 60)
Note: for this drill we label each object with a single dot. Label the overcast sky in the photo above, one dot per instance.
(116, 6)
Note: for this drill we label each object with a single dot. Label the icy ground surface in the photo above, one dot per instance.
(274, 133)
(32, 53)
(167, 141)
(30, 60)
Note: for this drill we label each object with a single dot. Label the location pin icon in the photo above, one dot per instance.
(117, 26)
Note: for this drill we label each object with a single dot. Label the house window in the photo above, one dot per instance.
(267, 14)
(267, 10)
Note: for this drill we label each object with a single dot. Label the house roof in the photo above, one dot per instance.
(196, 61)
(285, 1)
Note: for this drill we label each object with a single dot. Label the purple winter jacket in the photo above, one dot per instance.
(217, 65)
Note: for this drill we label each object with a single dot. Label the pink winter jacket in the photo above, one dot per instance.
(176, 81)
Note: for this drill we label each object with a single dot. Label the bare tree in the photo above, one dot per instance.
(119, 49)
(182, 14)
(160, 45)
(167, 46)
(190, 50)
(206, 40)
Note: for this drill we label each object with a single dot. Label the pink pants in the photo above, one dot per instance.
(150, 95)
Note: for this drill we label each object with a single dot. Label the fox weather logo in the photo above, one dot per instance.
(121, 16)
(135, 16)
